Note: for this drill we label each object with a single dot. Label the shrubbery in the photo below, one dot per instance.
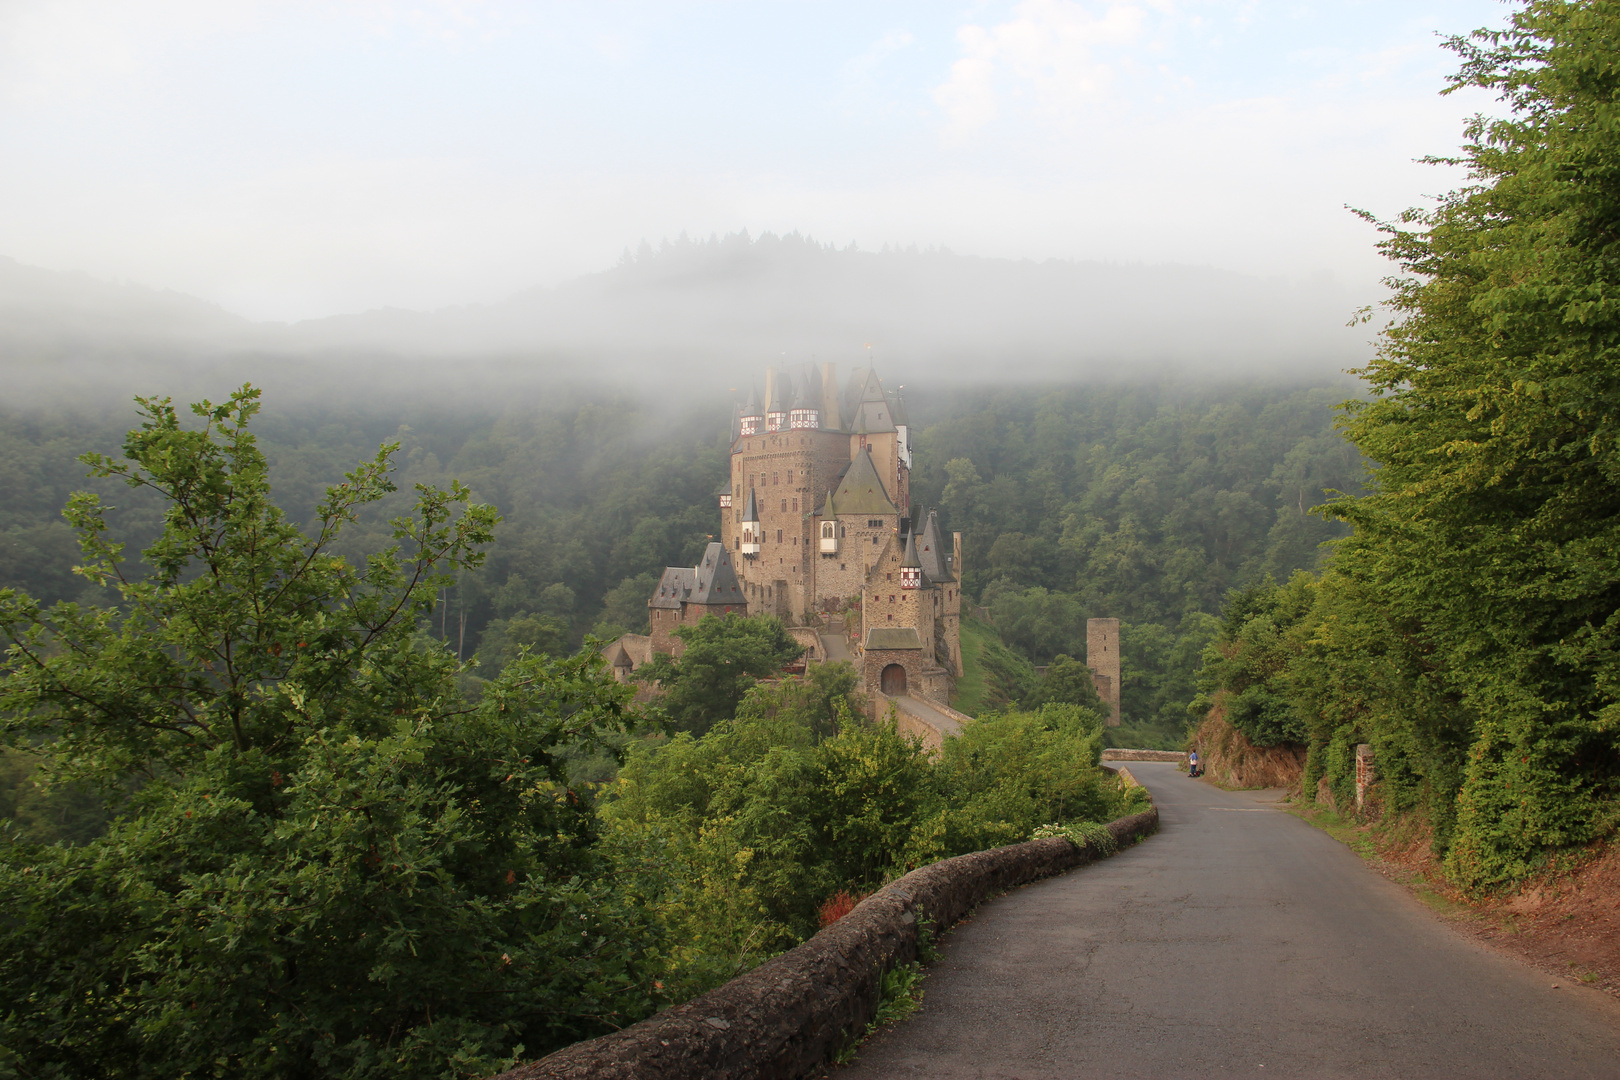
(298, 840)
(739, 838)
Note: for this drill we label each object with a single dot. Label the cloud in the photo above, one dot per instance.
(1051, 47)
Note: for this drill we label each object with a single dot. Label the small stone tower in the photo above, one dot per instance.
(1102, 657)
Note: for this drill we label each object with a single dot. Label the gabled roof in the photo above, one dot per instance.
(862, 491)
(723, 489)
(893, 637)
(751, 511)
(717, 578)
(931, 552)
(674, 587)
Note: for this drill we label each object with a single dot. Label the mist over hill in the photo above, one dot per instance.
(700, 312)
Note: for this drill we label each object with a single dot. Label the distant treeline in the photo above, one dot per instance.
(1143, 502)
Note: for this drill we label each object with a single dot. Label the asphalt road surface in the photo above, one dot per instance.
(1239, 941)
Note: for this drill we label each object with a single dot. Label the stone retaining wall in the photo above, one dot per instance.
(1144, 755)
(792, 1014)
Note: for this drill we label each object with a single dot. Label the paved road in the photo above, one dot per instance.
(1239, 941)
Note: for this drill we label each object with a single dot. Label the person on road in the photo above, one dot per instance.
(1192, 763)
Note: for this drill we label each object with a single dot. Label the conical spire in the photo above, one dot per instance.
(751, 511)
(751, 407)
(910, 558)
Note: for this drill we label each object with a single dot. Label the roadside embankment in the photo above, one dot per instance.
(1227, 757)
(795, 1012)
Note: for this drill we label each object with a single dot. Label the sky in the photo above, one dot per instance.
(291, 160)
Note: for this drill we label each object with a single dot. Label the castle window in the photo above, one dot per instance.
(778, 536)
(790, 477)
(874, 523)
(888, 577)
(773, 477)
(795, 504)
(784, 506)
(891, 598)
(891, 616)
(841, 566)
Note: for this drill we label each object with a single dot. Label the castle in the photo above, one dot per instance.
(816, 527)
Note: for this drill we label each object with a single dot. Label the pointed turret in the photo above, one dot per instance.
(931, 552)
(910, 569)
(872, 407)
(750, 526)
(752, 420)
(776, 413)
(803, 414)
(829, 526)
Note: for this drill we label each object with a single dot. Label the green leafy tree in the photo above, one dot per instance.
(1067, 682)
(1492, 531)
(324, 861)
(720, 659)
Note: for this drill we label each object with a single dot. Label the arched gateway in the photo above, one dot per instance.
(893, 681)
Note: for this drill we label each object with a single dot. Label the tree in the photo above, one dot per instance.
(324, 860)
(1067, 682)
(1495, 430)
(721, 658)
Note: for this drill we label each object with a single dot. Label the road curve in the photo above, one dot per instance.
(1239, 941)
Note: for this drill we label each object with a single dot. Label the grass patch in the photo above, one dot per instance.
(969, 696)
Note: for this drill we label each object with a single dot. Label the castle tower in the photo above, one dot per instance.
(803, 441)
(1102, 657)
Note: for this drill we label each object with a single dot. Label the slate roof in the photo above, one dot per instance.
(870, 411)
(910, 557)
(861, 491)
(931, 550)
(751, 511)
(751, 408)
(893, 637)
(716, 578)
(674, 587)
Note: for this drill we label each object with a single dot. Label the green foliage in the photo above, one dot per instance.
(1066, 682)
(506, 640)
(1081, 834)
(1488, 543)
(323, 861)
(1007, 677)
(720, 659)
(737, 837)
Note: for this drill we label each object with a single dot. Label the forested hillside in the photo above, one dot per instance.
(1142, 502)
